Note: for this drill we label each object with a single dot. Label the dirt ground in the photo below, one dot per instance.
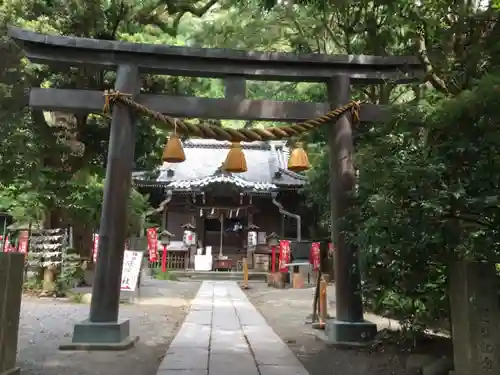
(286, 311)
(155, 318)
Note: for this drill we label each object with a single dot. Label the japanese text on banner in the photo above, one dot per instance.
(284, 258)
(315, 255)
(95, 247)
(130, 272)
(152, 236)
(22, 245)
(7, 247)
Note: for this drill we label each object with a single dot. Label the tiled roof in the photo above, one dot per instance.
(266, 164)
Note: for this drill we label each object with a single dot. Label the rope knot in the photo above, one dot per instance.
(111, 97)
(356, 106)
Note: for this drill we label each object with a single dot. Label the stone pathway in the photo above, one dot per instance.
(225, 334)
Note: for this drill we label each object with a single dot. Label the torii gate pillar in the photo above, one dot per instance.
(349, 326)
(103, 330)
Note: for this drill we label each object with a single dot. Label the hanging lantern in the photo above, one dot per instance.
(173, 151)
(298, 160)
(189, 238)
(252, 235)
(235, 159)
(189, 235)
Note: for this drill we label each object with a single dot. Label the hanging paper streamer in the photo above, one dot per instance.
(284, 255)
(95, 247)
(152, 235)
(315, 255)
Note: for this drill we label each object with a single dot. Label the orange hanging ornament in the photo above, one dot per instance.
(298, 161)
(235, 159)
(173, 151)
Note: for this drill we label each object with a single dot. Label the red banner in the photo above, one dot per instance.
(22, 244)
(152, 235)
(95, 247)
(315, 255)
(284, 258)
(7, 247)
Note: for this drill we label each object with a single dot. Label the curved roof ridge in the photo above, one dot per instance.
(221, 179)
(211, 143)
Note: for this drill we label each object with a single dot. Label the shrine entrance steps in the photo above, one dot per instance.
(224, 334)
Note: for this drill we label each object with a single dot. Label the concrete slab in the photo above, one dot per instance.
(192, 335)
(282, 370)
(201, 317)
(183, 358)
(183, 372)
(225, 334)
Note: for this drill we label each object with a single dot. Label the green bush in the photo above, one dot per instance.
(427, 195)
(159, 275)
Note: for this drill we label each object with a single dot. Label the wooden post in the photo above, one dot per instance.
(342, 182)
(273, 257)
(245, 273)
(323, 301)
(164, 259)
(475, 318)
(103, 330)
(235, 88)
(106, 287)
(349, 308)
(11, 285)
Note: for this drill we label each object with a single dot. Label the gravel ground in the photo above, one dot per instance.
(155, 318)
(286, 311)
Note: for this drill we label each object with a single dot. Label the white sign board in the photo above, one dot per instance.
(132, 261)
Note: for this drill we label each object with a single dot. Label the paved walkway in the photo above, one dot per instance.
(224, 334)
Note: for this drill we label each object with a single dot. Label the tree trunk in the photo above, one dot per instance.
(82, 239)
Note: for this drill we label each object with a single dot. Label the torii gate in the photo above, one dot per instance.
(103, 329)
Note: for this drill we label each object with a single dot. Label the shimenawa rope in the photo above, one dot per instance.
(227, 134)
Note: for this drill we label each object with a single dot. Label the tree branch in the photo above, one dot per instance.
(432, 77)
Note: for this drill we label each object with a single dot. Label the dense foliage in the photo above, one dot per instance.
(428, 195)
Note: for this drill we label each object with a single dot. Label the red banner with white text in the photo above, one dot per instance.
(284, 258)
(315, 255)
(7, 247)
(95, 247)
(22, 244)
(152, 236)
